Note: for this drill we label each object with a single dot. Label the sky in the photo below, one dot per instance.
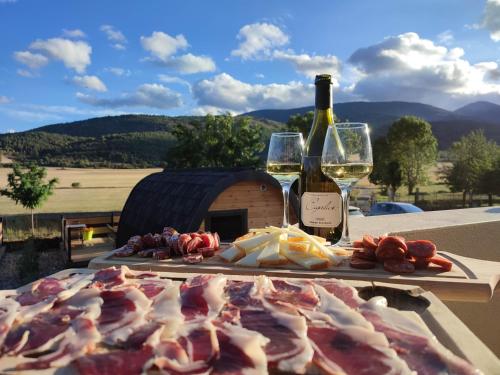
(66, 60)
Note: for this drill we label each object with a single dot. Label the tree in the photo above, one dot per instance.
(473, 169)
(386, 170)
(218, 141)
(413, 145)
(25, 185)
(300, 123)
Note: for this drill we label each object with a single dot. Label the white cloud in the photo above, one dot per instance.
(162, 45)
(26, 73)
(73, 33)
(115, 36)
(90, 82)
(171, 79)
(259, 75)
(226, 93)
(73, 54)
(491, 19)
(4, 99)
(32, 60)
(258, 40)
(120, 72)
(163, 48)
(309, 66)
(407, 67)
(147, 95)
(446, 37)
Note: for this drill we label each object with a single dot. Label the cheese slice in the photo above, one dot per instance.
(271, 252)
(251, 244)
(279, 261)
(308, 261)
(232, 254)
(250, 260)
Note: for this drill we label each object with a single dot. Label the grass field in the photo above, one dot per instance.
(100, 190)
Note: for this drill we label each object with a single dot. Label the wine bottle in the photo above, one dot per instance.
(320, 197)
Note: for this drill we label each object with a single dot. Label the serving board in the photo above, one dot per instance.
(470, 279)
(422, 306)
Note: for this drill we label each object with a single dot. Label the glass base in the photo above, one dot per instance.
(344, 242)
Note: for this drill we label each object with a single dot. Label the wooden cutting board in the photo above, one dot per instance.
(422, 306)
(470, 279)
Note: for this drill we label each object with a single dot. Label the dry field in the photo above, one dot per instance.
(100, 190)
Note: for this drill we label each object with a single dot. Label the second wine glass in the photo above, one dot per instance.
(284, 162)
(347, 157)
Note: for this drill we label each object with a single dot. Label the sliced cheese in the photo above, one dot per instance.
(271, 252)
(251, 244)
(250, 260)
(280, 260)
(232, 254)
(308, 261)
(334, 259)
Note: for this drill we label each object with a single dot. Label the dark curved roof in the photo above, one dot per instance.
(179, 198)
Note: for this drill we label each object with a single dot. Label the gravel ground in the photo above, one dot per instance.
(13, 276)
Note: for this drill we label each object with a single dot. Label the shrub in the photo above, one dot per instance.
(75, 185)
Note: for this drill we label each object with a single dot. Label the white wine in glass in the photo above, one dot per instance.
(284, 163)
(347, 158)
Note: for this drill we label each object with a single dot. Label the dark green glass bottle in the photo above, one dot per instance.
(320, 197)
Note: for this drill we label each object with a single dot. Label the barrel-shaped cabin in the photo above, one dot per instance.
(227, 201)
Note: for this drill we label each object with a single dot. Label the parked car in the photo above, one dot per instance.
(391, 208)
(355, 211)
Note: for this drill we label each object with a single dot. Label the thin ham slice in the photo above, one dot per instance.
(297, 295)
(200, 342)
(9, 308)
(241, 352)
(421, 351)
(110, 277)
(166, 309)
(288, 348)
(342, 291)
(81, 338)
(202, 297)
(123, 362)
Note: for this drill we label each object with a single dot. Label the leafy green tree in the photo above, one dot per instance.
(218, 141)
(413, 145)
(300, 123)
(473, 169)
(25, 185)
(386, 170)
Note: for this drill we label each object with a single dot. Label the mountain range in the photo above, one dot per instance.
(142, 140)
(448, 126)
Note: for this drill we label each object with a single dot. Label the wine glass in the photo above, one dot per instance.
(284, 162)
(347, 157)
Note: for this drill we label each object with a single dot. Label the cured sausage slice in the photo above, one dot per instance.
(369, 242)
(358, 244)
(445, 264)
(389, 252)
(361, 264)
(393, 241)
(421, 248)
(366, 254)
(419, 262)
(399, 266)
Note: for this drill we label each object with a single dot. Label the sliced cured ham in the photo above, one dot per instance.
(342, 291)
(297, 295)
(288, 348)
(202, 297)
(110, 277)
(351, 351)
(9, 308)
(81, 338)
(126, 362)
(421, 351)
(166, 309)
(41, 333)
(200, 343)
(241, 352)
(122, 312)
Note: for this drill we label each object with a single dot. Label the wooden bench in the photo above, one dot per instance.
(104, 226)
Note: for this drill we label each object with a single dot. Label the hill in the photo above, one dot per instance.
(129, 141)
(484, 111)
(448, 126)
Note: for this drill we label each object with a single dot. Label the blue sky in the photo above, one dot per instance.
(67, 60)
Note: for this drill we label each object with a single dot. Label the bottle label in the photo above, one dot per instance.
(322, 210)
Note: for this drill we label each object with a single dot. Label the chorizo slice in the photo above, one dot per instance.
(421, 248)
(399, 266)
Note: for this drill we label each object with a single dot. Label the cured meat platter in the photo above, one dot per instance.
(210, 324)
(470, 279)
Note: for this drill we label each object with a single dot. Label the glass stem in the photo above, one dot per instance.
(346, 192)
(285, 187)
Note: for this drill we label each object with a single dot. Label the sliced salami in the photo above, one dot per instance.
(421, 248)
(399, 266)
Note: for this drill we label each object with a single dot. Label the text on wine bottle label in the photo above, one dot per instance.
(322, 210)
